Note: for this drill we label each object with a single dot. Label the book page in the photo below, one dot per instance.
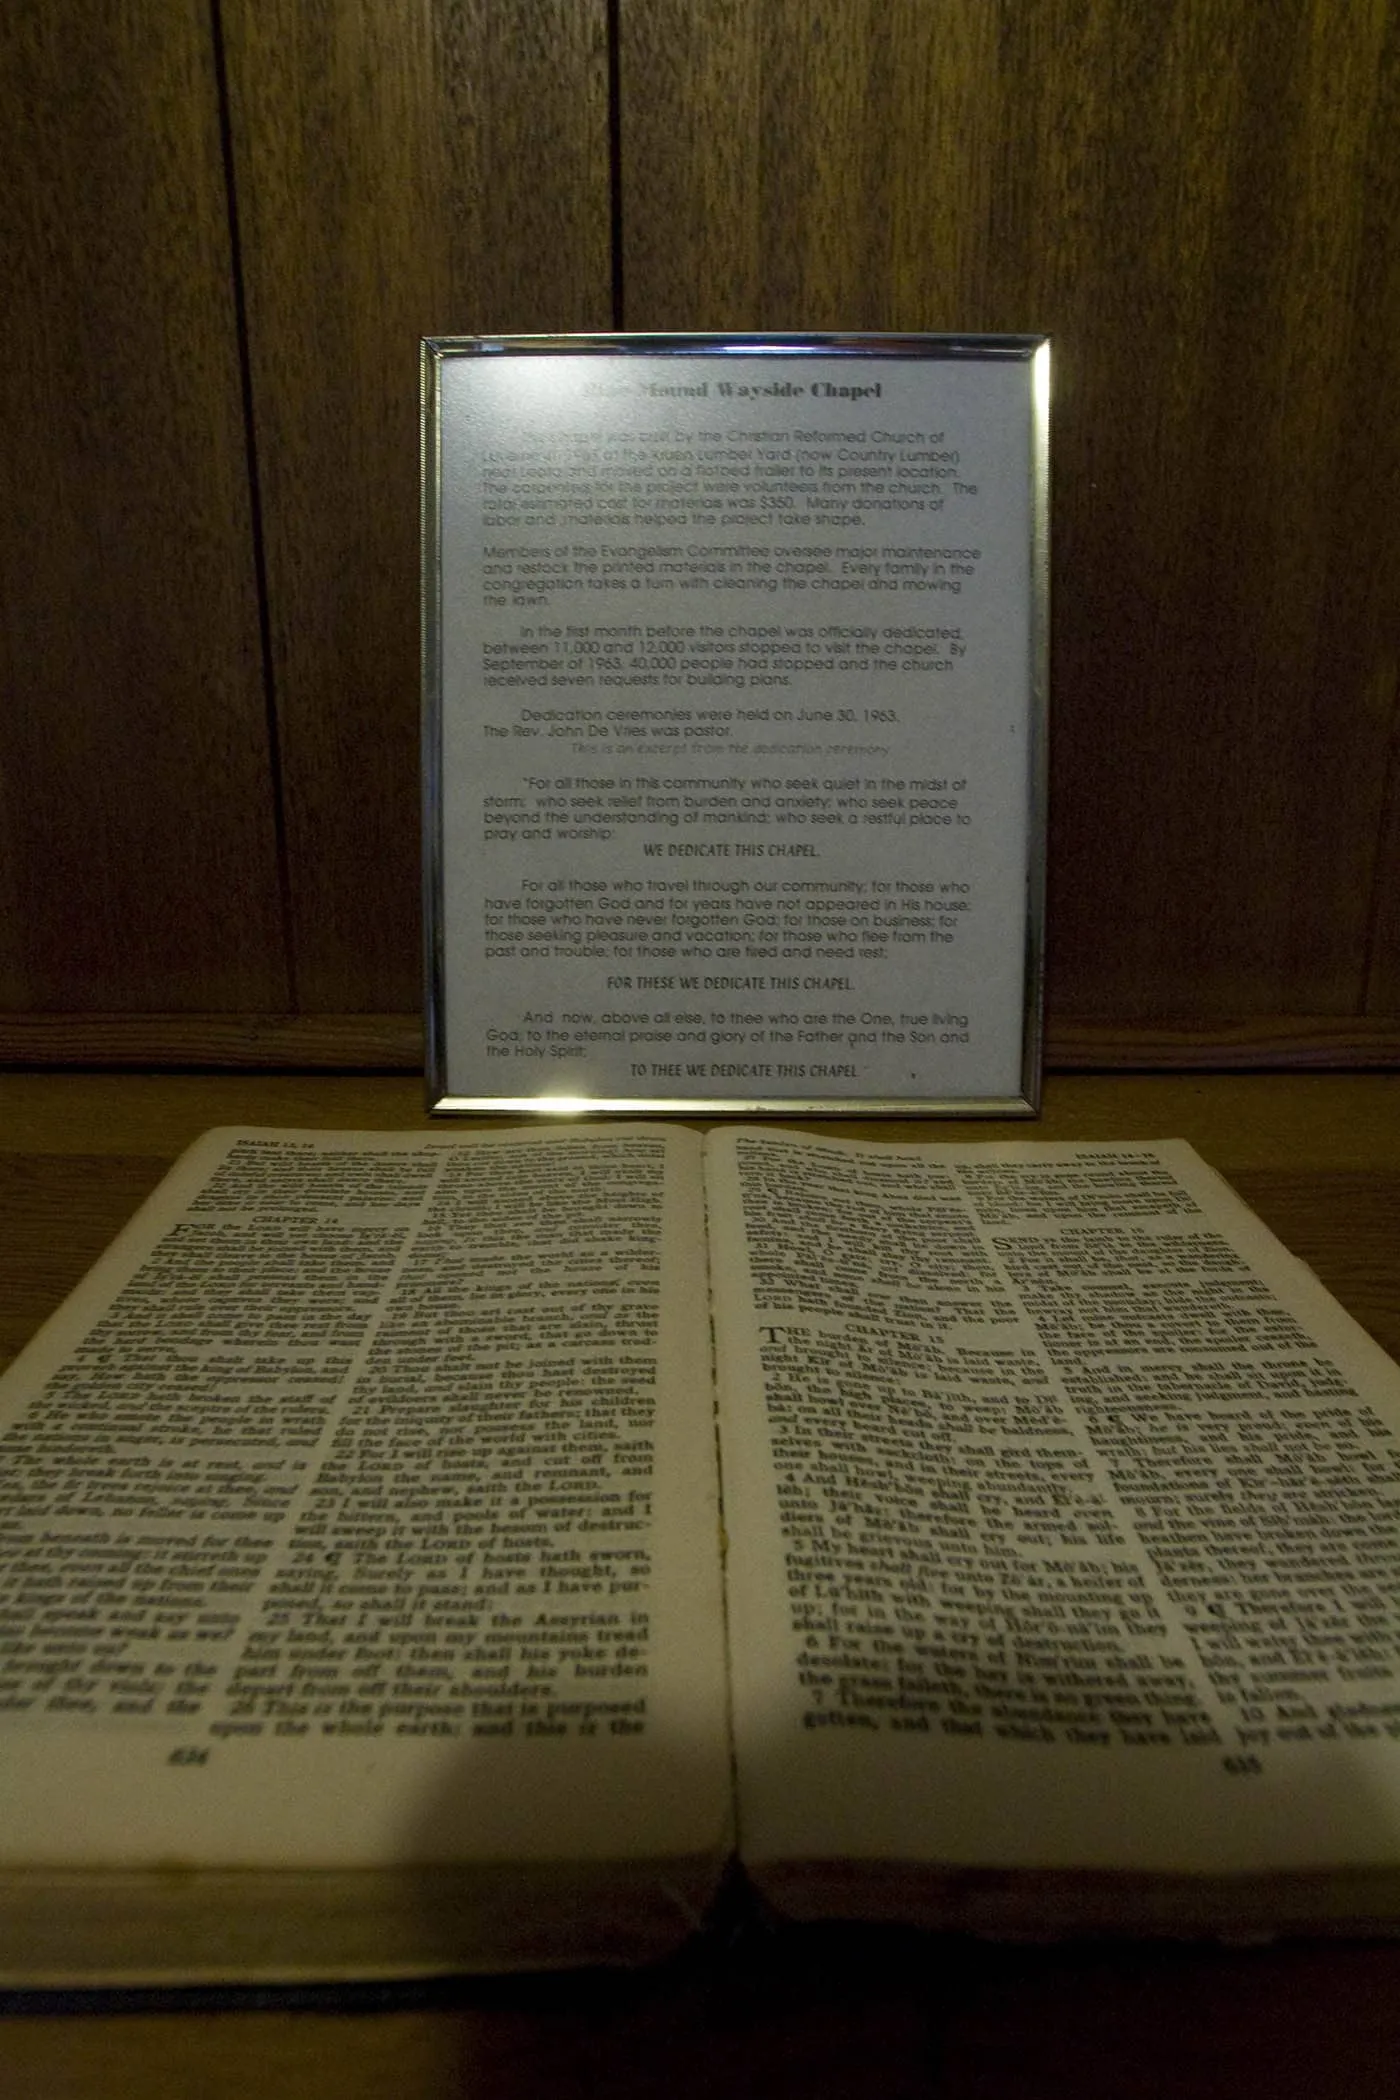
(1062, 1512)
(361, 1509)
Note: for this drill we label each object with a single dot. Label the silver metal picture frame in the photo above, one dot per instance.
(735, 665)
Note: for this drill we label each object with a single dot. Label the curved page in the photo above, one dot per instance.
(1062, 1514)
(359, 1513)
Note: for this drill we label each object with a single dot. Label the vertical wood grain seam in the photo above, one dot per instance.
(276, 783)
(614, 25)
(1381, 919)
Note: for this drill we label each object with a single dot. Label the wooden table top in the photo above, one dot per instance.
(827, 2012)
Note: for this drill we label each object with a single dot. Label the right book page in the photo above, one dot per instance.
(1063, 1517)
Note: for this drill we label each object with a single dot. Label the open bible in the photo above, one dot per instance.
(437, 1552)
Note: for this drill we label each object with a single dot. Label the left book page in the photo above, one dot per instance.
(359, 1567)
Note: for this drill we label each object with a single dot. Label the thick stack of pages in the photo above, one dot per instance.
(425, 1553)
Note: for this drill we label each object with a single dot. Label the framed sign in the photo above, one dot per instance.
(735, 691)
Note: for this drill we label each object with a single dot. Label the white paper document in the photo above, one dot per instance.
(737, 702)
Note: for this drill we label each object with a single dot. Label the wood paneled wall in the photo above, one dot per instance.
(227, 222)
